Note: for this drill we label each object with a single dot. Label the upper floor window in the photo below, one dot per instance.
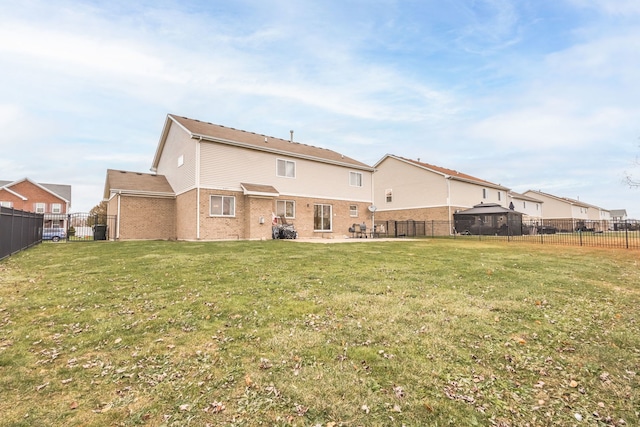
(484, 193)
(537, 206)
(56, 208)
(286, 168)
(6, 204)
(223, 206)
(286, 208)
(40, 207)
(355, 179)
(524, 205)
(388, 195)
(499, 195)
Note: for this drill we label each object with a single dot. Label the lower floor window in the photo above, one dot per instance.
(286, 208)
(223, 206)
(322, 217)
(353, 210)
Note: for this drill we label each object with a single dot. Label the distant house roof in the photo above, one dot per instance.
(453, 174)
(125, 182)
(566, 200)
(58, 190)
(618, 213)
(225, 135)
(519, 196)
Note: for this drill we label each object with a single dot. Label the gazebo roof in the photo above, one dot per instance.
(488, 209)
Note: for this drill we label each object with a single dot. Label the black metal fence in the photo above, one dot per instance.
(88, 227)
(606, 234)
(19, 230)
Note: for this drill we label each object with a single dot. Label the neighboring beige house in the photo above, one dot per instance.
(619, 214)
(225, 183)
(570, 214)
(407, 189)
(529, 207)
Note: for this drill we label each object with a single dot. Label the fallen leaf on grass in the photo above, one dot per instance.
(215, 408)
(74, 405)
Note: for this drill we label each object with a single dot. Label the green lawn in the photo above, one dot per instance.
(412, 332)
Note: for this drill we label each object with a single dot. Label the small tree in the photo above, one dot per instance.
(98, 214)
(633, 183)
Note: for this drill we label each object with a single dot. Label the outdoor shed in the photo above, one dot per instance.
(488, 219)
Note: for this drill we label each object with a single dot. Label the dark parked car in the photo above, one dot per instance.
(53, 234)
(547, 229)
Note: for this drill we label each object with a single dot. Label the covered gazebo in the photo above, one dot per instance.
(488, 219)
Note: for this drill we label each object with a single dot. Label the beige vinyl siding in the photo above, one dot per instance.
(178, 144)
(553, 208)
(412, 187)
(468, 194)
(225, 167)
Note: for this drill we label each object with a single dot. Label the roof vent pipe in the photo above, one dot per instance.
(291, 132)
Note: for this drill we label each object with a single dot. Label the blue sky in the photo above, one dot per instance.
(530, 94)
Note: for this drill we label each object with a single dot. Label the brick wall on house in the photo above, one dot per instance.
(186, 225)
(146, 218)
(249, 209)
(219, 227)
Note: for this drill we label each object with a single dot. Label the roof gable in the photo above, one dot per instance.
(136, 183)
(60, 191)
(225, 135)
(447, 173)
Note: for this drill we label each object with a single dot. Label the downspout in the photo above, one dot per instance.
(198, 188)
(118, 218)
(448, 178)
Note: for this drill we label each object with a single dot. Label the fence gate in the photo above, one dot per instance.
(88, 227)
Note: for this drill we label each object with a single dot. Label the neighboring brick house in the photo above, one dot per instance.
(407, 189)
(570, 214)
(52, 200)
(225, 183)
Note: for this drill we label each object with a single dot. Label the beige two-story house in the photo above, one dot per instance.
(530, 207)
(568, 214)
(227, 183)
(407, 189)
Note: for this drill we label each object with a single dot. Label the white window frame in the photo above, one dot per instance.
(484, 193)
(353, 211)
(40, 207)
(281, 208)
(330, 218)
(499, 196)
(355, 179)
(388, 195)
(221, 213)
(6, 204)
(56, 208)
(289, 168)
